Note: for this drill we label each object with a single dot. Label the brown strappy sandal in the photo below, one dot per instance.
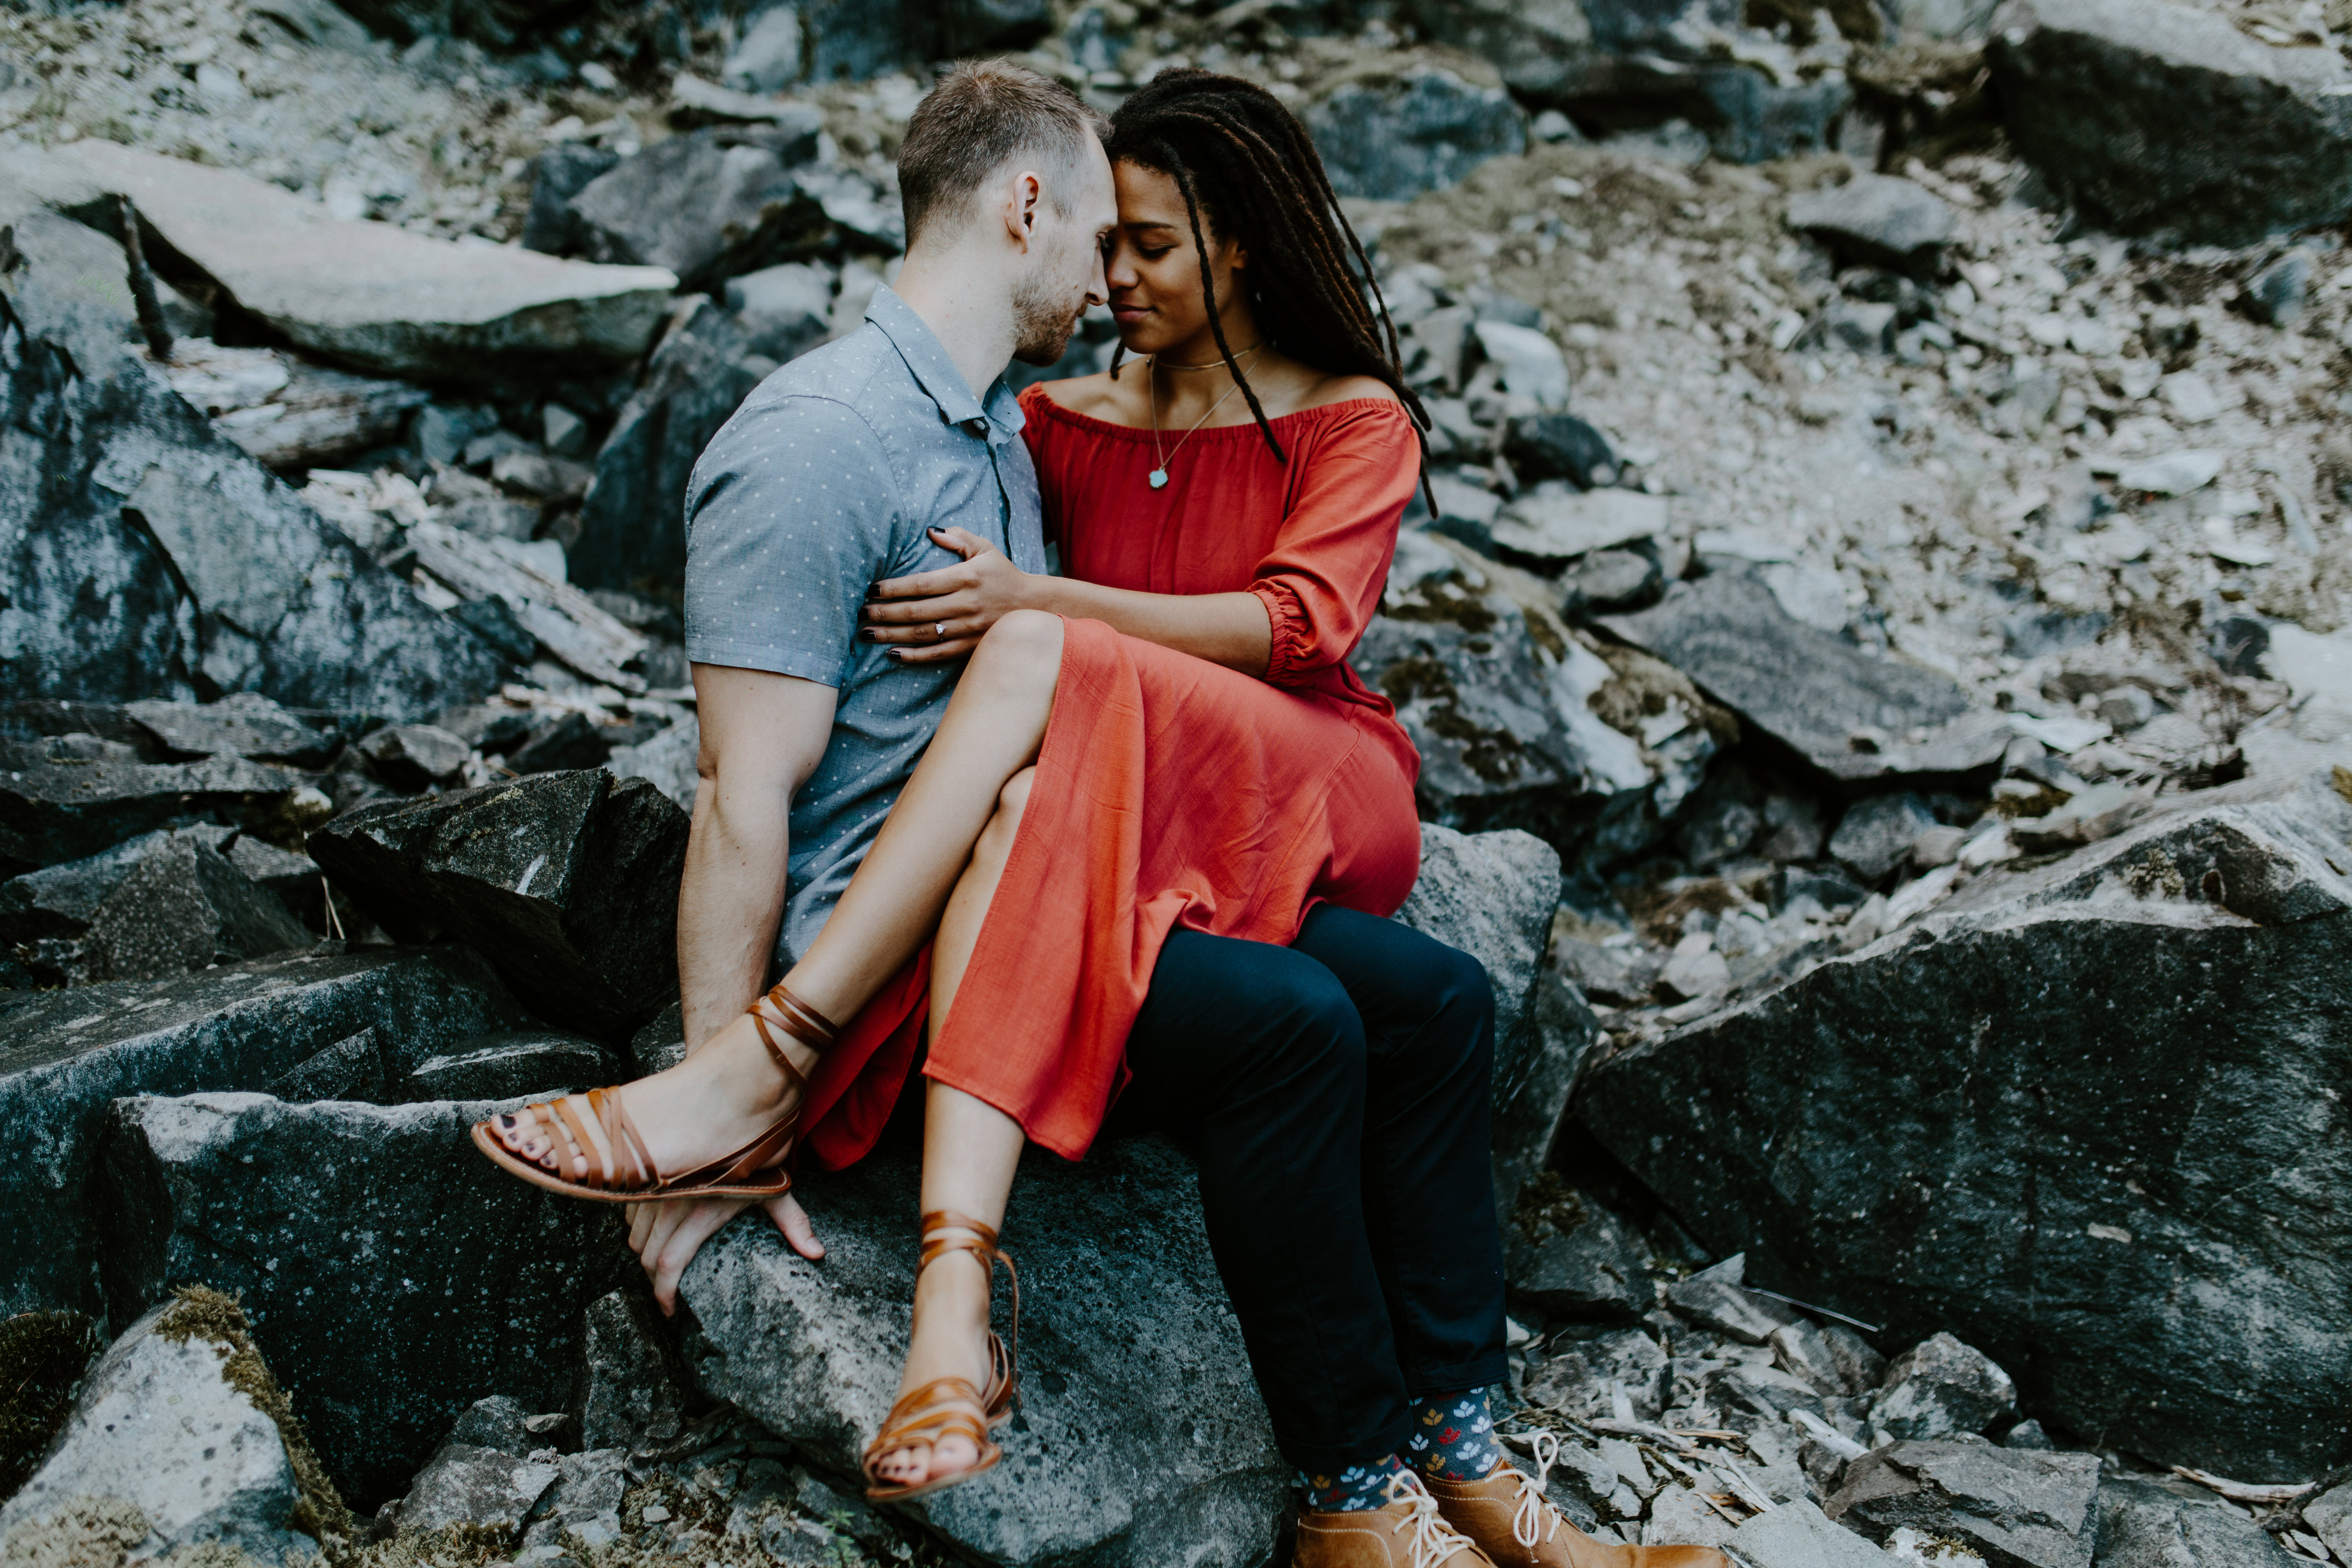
(950, 1405)
(624, 1172)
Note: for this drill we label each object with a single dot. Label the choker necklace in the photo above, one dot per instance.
(1212, 365)
(1159, 475)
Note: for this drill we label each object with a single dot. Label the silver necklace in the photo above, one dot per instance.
(1159, 475)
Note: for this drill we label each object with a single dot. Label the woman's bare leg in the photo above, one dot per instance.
(725, 1094)
(970, 1150)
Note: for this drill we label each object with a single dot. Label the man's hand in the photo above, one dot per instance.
(666, 1236)
(938, 616)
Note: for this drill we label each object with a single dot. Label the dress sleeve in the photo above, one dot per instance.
(1322, 580)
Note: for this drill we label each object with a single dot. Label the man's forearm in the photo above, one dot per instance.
(729, 903)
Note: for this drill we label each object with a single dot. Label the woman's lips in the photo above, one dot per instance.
(1126, 313)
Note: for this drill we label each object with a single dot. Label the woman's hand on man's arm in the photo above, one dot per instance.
(942, 614)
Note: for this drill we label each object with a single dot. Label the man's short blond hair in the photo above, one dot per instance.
(983, 115)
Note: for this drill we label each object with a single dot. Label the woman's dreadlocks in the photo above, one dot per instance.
(1268, 190)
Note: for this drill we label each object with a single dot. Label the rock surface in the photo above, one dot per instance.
(567, 881)
(2016, 1509)
(2154, 116)
(378, 296)
(512, 1064)
(2144, 1521)
(476, 1281)
(70, 1052)
(2092, 1072)
(159, 1424)
(1940, 1387)
(1834, 708)
(1393, 140)
(465, 1484)
(704, 205)
(162, 903)
(170, 563)
(1142, 1437)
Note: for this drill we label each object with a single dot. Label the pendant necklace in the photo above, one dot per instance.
(1159, 475)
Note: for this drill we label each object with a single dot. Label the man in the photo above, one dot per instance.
(837, 473)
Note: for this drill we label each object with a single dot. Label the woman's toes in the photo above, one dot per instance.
(904, 1466)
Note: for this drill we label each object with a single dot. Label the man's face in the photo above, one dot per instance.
(1063, 274)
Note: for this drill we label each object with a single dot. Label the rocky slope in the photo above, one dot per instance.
(1879, 650)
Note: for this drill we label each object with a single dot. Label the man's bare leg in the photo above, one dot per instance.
(727, 1092)
(970, 1150)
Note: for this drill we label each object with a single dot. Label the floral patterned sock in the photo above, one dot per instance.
(1356, 1489)
(1453, 1435)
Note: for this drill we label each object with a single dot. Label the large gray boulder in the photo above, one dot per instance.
(2016, 1507)
(2078, 1116)
(68, 797)
(169, 561)
(2151, 116)
(632, 523)
(567, 882)
(1833, 707)
(1497, 700)
(2145, 1521)
(705, 206)
(164, 1425)
(379, 297)
(1394, 139)
(471, 1282)
(1142, 1437)
(67, 1054)
(162, 904)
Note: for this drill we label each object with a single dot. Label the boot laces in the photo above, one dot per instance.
(1434, 1541)
(1535, 1507)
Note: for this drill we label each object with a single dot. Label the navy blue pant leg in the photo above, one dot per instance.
(1338, 1089)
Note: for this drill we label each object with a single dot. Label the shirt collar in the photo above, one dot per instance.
(935, 372)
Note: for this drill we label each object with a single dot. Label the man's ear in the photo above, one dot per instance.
(1022, 201)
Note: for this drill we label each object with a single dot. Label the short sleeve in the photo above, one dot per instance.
(1321, 582)
(789, 515)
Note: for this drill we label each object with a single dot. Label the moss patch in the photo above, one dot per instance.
(42, 1356)
(103, 1532)
(218, 1320)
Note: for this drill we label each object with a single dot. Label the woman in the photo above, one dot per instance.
(1185, 759)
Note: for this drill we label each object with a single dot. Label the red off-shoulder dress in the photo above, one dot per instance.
(1170, 791)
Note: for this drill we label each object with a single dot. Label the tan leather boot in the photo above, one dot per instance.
(1506, 1513)
(1408, 1533)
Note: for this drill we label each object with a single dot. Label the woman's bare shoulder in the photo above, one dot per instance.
(1348, 388)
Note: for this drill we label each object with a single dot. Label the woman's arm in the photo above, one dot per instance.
(941, 614)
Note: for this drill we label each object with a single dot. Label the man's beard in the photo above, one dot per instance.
(1042, 321)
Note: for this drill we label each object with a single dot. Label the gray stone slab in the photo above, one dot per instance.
(65, 1055)
(2080, 1120)
(380, 297)
(393, 1275)
(1142, 1437)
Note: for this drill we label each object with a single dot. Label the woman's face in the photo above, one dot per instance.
(1152, 269)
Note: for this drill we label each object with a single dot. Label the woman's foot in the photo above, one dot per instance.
(950, 1340)
(709, 1105)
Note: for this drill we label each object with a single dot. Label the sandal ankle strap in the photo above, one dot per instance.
(979, 1240)
(796, 1018)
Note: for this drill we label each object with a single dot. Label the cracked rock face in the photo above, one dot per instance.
(68, 1053)
(567, 881)
(2094, 1081)
(470, 1281)
(159, 1426)
(1141, 1437)
(2016, 1507)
